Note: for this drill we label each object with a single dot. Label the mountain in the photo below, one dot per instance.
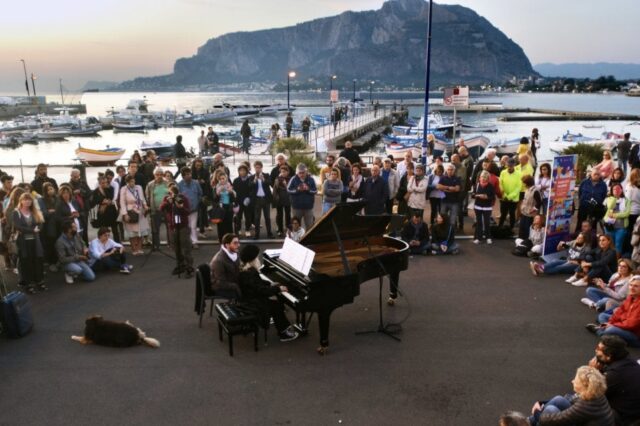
(594, 70)
(99, 85)
(387, 45)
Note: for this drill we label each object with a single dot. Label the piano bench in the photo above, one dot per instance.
(234, 320)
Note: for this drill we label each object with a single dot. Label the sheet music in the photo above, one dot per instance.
(297, 256)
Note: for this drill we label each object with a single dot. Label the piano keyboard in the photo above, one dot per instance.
(291, 298)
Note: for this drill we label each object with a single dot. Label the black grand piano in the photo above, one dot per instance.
(349, 249)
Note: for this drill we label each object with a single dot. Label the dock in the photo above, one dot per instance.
(8, 112)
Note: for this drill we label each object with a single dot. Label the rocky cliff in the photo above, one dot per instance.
(386, 45)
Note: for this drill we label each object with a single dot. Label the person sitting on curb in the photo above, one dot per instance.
(105, 254)
(608, 295)
(625, 320)
(416, 234)
(73, 255)
(623, 378)
(576, 252)
(443, 236)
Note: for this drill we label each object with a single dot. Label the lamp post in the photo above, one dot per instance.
(33, 83)
(333, 77)
(371, 83)
(426, 88)
(291, 75)
(354, 90)
(26, 79)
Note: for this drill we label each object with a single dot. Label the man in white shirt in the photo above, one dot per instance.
(105, 254)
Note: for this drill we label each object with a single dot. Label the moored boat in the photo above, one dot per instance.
(164, 150)
(505, 147)
(99, 157)
(52, 134)
(135, 126)
(476, 145)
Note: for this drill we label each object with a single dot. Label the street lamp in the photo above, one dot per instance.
(291, 75)
(333, 77)
(354, 90)
(33, 83)
(26, 79)
(371, 83)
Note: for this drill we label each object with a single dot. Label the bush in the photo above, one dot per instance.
(588, 155)
(310, 162)
(289, 146)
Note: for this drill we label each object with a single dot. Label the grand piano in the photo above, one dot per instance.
(349, 249)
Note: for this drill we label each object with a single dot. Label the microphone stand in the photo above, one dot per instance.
(382, 327)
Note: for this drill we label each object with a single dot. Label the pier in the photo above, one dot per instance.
(8, 112)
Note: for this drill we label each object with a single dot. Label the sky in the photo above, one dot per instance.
(116, 40)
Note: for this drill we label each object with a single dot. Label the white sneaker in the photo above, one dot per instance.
(489, 241)
(68, 278)
(579, 283)
(571, 279)
(590, 303)
(476, 241)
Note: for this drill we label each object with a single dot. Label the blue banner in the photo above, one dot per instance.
(563, 182)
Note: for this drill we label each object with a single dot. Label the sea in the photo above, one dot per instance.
(100, 103)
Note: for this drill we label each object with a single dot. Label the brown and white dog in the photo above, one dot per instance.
(112, 333)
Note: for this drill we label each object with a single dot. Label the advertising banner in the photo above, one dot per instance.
(563, 183)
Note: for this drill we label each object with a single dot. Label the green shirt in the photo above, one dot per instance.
(159, 191)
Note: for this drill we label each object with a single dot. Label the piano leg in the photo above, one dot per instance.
(324, 318)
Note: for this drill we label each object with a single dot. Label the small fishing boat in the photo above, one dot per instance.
(212, 116)
(90, 130)
(399, 150)
(505, 147)
(99, 157)
(132, 126)
(476, 145)
(164, 150)
(9, 142)
(52, 134)
(442, 147)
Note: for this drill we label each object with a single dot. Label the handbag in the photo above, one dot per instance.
(216, 214)
(134, 217)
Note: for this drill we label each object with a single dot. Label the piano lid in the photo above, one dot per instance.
(350, 224)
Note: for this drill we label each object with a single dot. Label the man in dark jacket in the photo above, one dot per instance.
(288, 124)
(225, 266)
(624, 148)
(176, 210)
(302, 190)
(81, 194)
(180, 153)
(257, 293)
(416, 234)
(245, 132)
(623, 377)
(591, 195)
(350, 153)
(242, 188)
(375, 192)
(41, 178)
(260, 190)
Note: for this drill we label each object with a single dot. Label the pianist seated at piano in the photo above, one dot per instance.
(416, 234)
(443, 236)
(257, 294)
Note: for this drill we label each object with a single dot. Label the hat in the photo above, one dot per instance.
(249, 252)
(511, 162)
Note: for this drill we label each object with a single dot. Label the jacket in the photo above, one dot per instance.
(192, 191)
(375, 192)
(442, 233)
(623, 388)
(256, 293)
(489, 191)
(408, 232)
(148, 193)
(595, 412)
(242, 188)
(225, 272)
(25, 232)
(70, 250)
(302, 199)
(510, 185)
(627, 315)
(332, 191)
(171, 212)
(417, 191)
(393, 180)
(588, 190)
(623, 215)
(266, 187)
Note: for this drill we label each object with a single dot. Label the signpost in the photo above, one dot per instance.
(456, 97)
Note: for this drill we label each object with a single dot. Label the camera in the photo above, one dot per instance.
(179, 199)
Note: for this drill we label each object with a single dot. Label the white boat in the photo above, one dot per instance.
(275, 109)
(52, 134)
(243, 111)
(476, 145)
(560, 146)
(634, 92)
(399, 150)
(135, 126)
(221, 113)
(90, 130)
(505, 147)
(99, 157)
(9, 142)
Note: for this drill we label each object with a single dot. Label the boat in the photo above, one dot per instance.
(52, 134)
(243, 111)
(575, 137)
(274, 109)
(398, 150)
(9, 142)
(442, 147)
(466, 128)
(164, 150)
(99, 157)
(217, 114)
(90, 130)
(633, 92)
(505, 147)
(476, 145)
(132, 126)
(320, 120)
(593, 126)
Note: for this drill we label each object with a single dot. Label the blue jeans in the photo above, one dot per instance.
(598, 296)
(424, 245)
(618, 235)
(554, 405)
(451, 208)
(559, 267)
(632, 339)
(80, 268)
(453, 248)
(326, 206)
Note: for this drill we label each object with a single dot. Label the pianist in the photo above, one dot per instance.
(257, 293)
(225, 267)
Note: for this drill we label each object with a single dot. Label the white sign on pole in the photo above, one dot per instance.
(456, 96)
(334, 96)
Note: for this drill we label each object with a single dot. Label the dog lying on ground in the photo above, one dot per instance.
(114, 334)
